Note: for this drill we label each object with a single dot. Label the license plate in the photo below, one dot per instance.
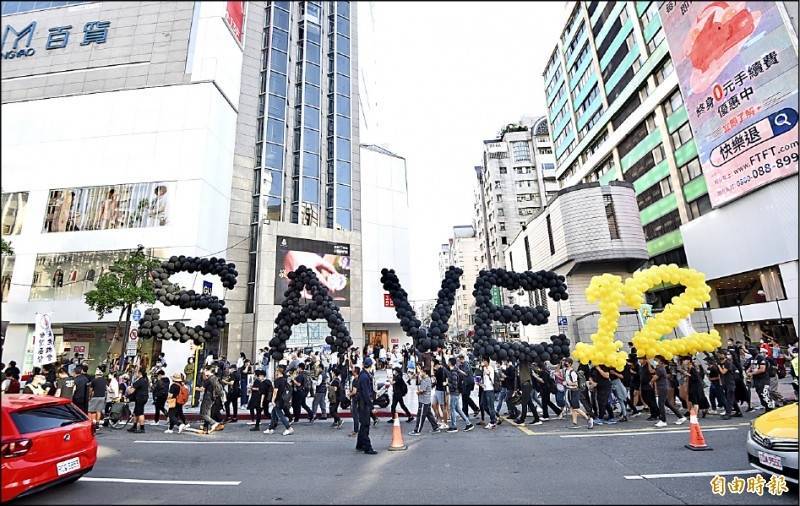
(67, 466)
(770, 460)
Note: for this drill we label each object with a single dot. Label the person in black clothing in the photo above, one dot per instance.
(160, 393)
(646, 371)
(632, 381)
(300, 393)
(509, 386)
(364, 398)
(546, 385)
(758, 367)
(13, 370)
(232, 382)
(279, 400)
(81, 395)
(601, 377)
(399, 390)
(336, 394)
(254, 402)
(526, 380)
(50, 379)
(138, 391)
(469, 385)
(175, 412)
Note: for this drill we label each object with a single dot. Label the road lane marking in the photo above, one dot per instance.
(641, 433)
(520, 427)
(162, 482)
(688, 475)
(154, 442)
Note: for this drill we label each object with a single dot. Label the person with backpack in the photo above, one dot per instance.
(320, 393)
(572, 384)
(177, 396)
(232, 382)
(301, 384)
(399, 390)
(281, 397)
(212, 392)
(455, 383)
(469, 385)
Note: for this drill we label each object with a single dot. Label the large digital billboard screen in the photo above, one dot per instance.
(330, 261)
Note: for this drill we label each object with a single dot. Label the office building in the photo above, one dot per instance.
(515, 179)
(385, 244)
(296, 180)
(616, 113)
(462, 251)
(221, 129)
(119, 125)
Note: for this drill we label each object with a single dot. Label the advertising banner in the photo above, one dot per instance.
(44, 342)
(234, 16)
(330, 261)
(737, 68)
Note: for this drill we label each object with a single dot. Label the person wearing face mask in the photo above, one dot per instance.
(646, 372)
(757, 367)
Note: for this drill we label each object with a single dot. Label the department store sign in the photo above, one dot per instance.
(18, 43)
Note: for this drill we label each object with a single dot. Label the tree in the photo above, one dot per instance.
(126, 284)
(6, 247)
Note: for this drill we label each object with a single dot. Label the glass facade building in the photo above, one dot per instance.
(304, 131)
(617, 113)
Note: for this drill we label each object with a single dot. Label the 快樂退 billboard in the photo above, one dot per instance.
(330, 261)
(737, 67)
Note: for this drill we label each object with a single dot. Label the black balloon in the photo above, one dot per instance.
(171, 294)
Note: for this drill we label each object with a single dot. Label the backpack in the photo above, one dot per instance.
(183, 395)
(287, 394)
(307, 382)
(497, 381)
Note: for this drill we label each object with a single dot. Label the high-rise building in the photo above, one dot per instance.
(385, 227)
(616, 113)
(516, 178)
(296, 182)
(464, 251)
(224, 129)
(119, 125)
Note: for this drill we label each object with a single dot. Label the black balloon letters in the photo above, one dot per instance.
(484, 344)
(170, 294)
(432, 337)
(321, 306)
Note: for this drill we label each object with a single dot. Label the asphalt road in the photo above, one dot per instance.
(534, 464)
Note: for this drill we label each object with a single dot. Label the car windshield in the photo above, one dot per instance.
(43, 418)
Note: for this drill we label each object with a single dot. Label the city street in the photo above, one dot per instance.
(623, 463)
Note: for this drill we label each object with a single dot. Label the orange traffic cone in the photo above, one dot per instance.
(397, 437)
(696, 440)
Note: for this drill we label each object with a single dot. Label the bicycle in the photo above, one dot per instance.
(120, 415)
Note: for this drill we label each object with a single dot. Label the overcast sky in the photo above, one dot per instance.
(440, 78)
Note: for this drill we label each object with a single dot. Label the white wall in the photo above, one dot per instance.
(179, 133)
(756, 231)
(385, 235)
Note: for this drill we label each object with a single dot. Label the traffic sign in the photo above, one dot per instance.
(562, 321)
(136, 315)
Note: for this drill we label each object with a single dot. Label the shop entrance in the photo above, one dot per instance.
(378, 337)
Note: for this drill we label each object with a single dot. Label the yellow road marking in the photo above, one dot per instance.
(520, 427)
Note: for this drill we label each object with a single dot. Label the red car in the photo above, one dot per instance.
(45, 441)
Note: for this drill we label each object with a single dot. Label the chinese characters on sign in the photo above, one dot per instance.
(737, 70)
(44, 342)
(753, 485)
(387, 300)
(94, 32)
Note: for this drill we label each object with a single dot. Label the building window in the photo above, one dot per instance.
(681, 136)
(499, 197)
(649, 13)
(500, 155)
(7, 273)
(497, 185)
(545, 151)
(654, 193)
(644, 164)
(663, 225)
(500, 212)
(690, 170)
(699, 207)
(587, 101)
(611, 216)
(503, 170)
(502, 226)
(664, 71)
(504, 240)
(656, 41)
(13, 205)
(674, 102)
(626, 111)
(560, 116)
(134, 205)
(550, 235)
(521, 151)
(752, 287)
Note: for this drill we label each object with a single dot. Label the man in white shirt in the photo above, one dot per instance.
(487, 381)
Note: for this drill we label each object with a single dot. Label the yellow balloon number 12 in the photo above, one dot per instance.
(610, 292)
